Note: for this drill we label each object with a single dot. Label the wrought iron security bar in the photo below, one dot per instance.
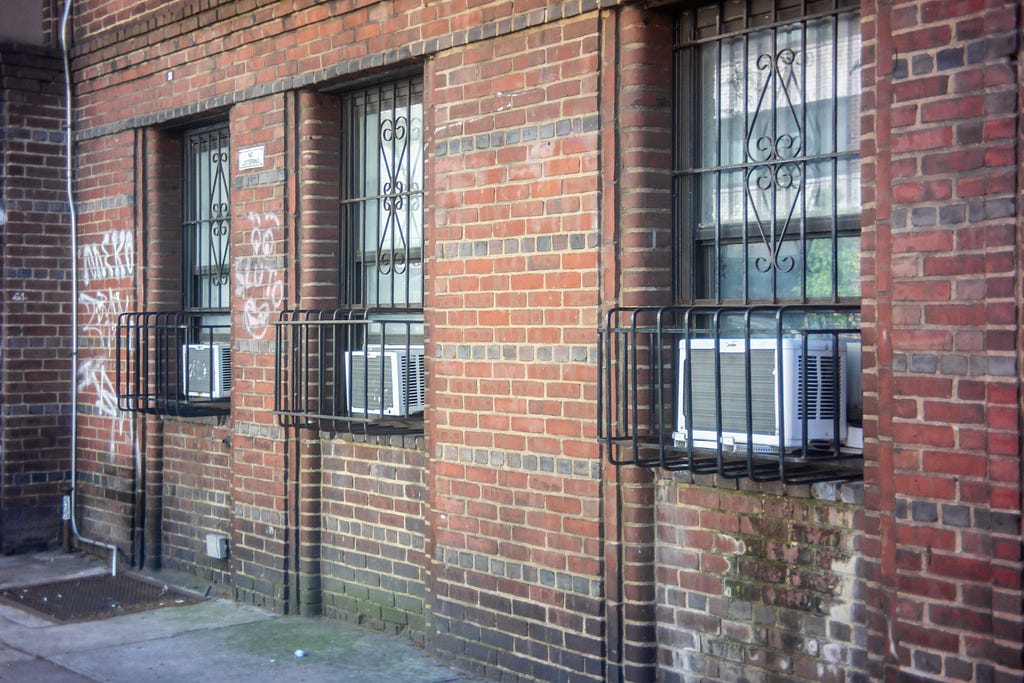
(766, 392)
(350, 370)
(382, 196)
(172, 364)
(206, 220)
(766, 174)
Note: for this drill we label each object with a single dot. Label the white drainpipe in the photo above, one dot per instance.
(70, 503)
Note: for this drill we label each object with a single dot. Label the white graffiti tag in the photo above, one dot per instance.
(103, 308)
(93, 375)
(112, 257)
(258, 278)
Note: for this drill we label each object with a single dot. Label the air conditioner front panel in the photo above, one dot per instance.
(388, 382)
(206, 370)
(767, 420)
(733, 371)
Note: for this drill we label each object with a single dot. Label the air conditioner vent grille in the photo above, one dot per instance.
(386, 383)
(820, 386)
(733, 369)
(765, 406)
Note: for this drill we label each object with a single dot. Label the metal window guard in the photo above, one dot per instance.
(350, 370)
(172, 364)
(699, 389)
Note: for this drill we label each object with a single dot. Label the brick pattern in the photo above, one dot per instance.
(636, 260)
(263, 474)
(107, 221)
(753, 585)
(501, 541)
(941, 551)
(373, 537)
(35, 370)
(196, 498)
(512, 312)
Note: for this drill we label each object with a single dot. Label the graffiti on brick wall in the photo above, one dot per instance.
(102, 309)
(259, 282)
(113, 256)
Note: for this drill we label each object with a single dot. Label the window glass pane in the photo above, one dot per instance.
(383, 209)
(207, 215)
(776, 184)
(847, 78)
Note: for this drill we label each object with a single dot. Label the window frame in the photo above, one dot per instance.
(211, 218)
(679, 388)
(398, 196)
(177, 363)
(334, 368)
(700, 247)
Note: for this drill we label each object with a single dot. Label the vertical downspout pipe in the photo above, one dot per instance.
(68, 133)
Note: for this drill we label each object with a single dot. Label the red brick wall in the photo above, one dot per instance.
(107, 220)
(373, 560)
(755, 584)
(512, 310)
(35, 294)
(941, 544)
(636, 266)
(195, 497)
(262, 475)
(509, 546)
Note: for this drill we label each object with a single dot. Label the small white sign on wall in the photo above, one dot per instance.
(250, 157)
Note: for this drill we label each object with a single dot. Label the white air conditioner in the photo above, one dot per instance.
(206, 370)
(770, 412)
(386, 381)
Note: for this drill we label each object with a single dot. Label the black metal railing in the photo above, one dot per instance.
(766, 392)
(350, 370)
(173, 364)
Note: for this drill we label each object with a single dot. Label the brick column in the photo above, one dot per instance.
(941, 544)
(35, 292)
(637, 271)
(262, 474)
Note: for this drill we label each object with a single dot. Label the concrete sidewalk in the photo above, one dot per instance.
(216, 640)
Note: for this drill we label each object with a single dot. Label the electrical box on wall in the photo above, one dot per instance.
(217, 546)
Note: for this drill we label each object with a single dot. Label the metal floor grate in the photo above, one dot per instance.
(95, 597)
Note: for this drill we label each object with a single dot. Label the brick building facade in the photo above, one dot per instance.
(512, 183)
(35, 339)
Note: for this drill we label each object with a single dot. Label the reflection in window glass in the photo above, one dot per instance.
(767, 178)
(382, 203)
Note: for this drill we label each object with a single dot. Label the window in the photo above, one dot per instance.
(179, 362)
(206, 226)
(766, 177)
(382, 196)
(754, 370)
(360, 367)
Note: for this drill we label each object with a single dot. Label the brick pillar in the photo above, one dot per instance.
(315, 248)
(159, 232)
(263, 471)
(637, 246)
(941, 544)
(35, 292)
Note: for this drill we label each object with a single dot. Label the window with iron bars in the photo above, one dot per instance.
(179, 362)
(764, 329)
(360, 367)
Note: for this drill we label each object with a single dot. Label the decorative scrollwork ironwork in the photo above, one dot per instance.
(393, 243)
(778, 172)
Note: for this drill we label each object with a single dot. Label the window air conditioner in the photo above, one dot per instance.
(206, 370)
(769, 411)
(385, 382)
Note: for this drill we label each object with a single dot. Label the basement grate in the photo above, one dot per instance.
(95, 597)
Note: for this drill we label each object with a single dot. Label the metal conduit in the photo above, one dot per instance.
(74, 296)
